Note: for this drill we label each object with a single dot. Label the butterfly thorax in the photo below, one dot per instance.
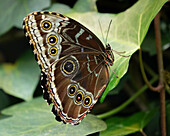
(109, 57)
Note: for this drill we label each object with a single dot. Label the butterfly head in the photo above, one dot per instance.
(109, 55)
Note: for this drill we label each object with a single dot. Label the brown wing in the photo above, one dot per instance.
(70, 36)
(54, 39)
(89, 79)
(43, 37)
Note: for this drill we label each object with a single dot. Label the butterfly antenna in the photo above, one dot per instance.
(120, 53)
(101, 32)
(108, 30)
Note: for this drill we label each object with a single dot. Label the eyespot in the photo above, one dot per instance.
(72, 89)
(87, 101)
(78, 97)
(46, 25)
(53, 51)
(68, 67)
(52, 39)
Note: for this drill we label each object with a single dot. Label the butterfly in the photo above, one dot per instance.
(74, 63)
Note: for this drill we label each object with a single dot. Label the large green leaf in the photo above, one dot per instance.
(127, 31)
(118, 126)
(12, 12)
(85, 6)
(20, 79)
(34, 118)
(80, 6)
(60, 8)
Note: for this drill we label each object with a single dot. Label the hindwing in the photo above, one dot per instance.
(75, 84)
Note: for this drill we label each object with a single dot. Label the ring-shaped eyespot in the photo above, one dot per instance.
(68, 66)
(52, 40)
(53, 51)
(46, 25)
(87, 101)
(71, 90)
(78, 97)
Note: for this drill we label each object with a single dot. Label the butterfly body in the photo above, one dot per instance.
(73, 61)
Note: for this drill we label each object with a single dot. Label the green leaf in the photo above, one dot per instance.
(127, 30)
(126, 34)
(12, 12)
(80, 6)
(34, 118)
(118, 126)
(20, 79)
(60, 8)
(85, 6)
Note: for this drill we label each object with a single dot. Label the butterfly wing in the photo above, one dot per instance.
(43, 37)
(55, 39)
(75, 84)
(53, 35)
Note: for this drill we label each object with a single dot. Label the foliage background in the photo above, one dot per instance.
(24, 112)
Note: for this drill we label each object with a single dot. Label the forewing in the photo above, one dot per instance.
(42, 30)
(70, 35)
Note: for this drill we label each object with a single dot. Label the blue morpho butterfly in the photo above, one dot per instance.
(74, 63)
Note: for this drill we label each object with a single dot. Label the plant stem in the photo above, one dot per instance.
(161, 74)
(131, 99)
(143, 133)
(144, 75)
